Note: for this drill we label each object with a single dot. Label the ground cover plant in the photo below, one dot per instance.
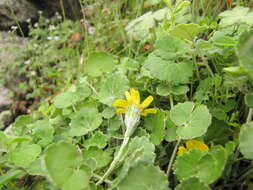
(160, 99)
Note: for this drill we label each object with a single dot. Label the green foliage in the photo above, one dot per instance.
(156, 125)
(144, 177)
(191, 120)
(192, 184)
(206, 166)
(196, 66)
(99, 63)
(187, 31)
(62, 162)
(245, 140)
(87, 119)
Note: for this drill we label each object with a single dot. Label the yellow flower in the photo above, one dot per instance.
(133, 99)
(192, 144)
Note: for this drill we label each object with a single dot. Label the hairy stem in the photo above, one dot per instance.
(249, 117)
(172, 157)
(115, 161)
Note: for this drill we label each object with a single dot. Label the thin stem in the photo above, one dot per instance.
(63, 10)
(171, 101)
(16, 20)
(106, 180)
(115, 161)
(249, 117)
(172, 157)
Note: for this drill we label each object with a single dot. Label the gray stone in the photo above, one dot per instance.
(12, 11)
(71, 8)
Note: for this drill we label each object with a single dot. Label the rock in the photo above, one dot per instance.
(5, 118)
(11, 47)
(5, 101)
(16, 10)
(72, 8)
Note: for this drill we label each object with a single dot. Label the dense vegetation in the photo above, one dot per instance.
(193, 61)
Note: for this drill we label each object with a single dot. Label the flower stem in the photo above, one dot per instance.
(172, 157)
(115, 160)
(249, 117)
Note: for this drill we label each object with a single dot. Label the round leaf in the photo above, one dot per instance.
(246, 140)
(191, 120)
(99, 63)
(62, 164)
(144, 177)
(85, 120)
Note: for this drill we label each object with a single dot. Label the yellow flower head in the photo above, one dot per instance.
(192, 144)
(133, 99)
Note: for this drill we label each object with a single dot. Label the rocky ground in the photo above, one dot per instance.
(15, 15)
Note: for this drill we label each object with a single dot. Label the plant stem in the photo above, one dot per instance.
(115, 160)
(249, 117)
(99, 177)
(172, 157)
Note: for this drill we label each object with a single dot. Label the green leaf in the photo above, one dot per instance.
(98, 139)
(218, 132)
(187, 31)
(171, 131)
(140, 150)
(42, 130)
(246, 140)
(112, 87)
(220, 39)
(148, 155)
(168, 70)
(245, 51)
(172, 46)
(19, 127)
(24, 154)
(11, 174)
(156, 125)
(36, 168)
(238, 15)
(100, 62)
(75, 94)
(206, 166)
(62, 162)
(186, 165)
(108, 112)
(144, 177)
(191, 120)
(65, 99)
(192, 184)
(248, 98)
(163, 90)
(102, 157)
(87, 119)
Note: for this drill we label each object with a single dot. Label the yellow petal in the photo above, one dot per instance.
(135, 96)
(147, 111)
(181, 150)
(120, 103)
(194, 144)
(120, 110)
(128, 96)
(147, 102)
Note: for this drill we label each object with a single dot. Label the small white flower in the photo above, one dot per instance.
(27, 62)
(40, 12)
(33, 73)
(14, 27)
(91, 30)
(49, 37)
(51, 27)
(36, 25)
(56, 38)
